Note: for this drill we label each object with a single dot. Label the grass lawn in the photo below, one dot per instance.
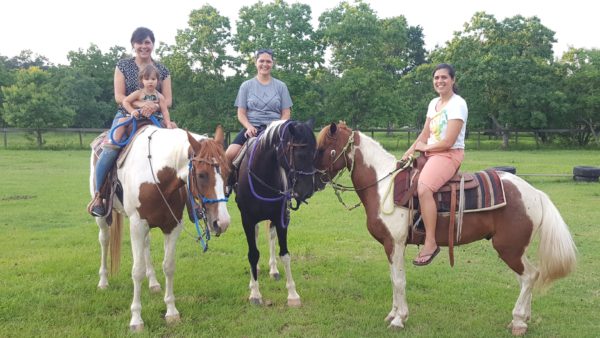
(50, 258)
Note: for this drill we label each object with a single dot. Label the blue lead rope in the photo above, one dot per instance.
(131, 120)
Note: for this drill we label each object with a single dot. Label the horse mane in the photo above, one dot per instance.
(271, 135)
(211, 149)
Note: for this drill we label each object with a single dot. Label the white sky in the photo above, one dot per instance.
(52, 28)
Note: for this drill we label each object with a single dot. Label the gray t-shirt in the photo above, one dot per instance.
(263, 103)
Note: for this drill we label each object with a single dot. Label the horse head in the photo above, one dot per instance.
(334, 142)
(208, 173)
(296, 153)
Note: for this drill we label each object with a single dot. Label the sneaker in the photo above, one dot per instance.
(96, 206)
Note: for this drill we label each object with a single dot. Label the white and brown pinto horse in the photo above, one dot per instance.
(161, 166)
(510, 228)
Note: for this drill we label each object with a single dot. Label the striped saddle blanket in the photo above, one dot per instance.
(483, 190)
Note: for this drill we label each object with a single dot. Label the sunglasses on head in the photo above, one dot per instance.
(263, 51)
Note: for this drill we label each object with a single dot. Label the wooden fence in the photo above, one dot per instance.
(394, 139)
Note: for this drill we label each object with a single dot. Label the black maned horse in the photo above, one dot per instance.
(277, 168)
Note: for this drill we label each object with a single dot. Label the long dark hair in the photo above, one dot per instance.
(451, 72)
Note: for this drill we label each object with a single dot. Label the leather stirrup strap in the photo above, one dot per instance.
(451, 224)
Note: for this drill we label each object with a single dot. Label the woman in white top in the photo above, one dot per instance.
(442, 141)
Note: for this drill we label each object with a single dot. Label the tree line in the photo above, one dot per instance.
(354, 66)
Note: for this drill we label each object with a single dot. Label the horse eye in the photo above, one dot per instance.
(203, 176)
(332, 154)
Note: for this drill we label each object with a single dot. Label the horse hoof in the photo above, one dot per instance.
(137, 328)
(294, 302)
(396, 324)
(276, 276)
(102, 287)
(256, 301)
(155, 289)
(174, 319)
(389, 318)
(395, 327)
(519, 331)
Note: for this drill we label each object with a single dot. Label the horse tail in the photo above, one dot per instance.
(557, 251)
(116, 231)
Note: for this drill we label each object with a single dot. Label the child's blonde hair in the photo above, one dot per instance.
(147, 72)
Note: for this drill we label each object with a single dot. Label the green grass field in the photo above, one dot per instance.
(49, 260)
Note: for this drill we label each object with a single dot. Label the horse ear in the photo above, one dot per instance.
(332, 128)
(219, 135)
(193, 142)
(311, 123)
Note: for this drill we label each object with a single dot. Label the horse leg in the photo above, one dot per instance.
(253, 256)
(293, 299)
(103, 238)
(172, 315)
(138, 231)
(527, 274)
(522, 310)
(273, 271)
(399, 313)
(153, 283)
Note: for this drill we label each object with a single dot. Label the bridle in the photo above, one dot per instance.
(340, 188)
(197, 200)
(285, 156)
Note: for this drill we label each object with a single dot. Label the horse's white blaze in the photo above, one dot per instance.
(224, 218)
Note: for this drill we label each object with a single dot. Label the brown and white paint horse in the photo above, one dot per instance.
(510, 228)
(154, 177)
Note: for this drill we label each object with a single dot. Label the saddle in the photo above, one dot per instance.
(112, 186)
(464, 192)
(237, 161)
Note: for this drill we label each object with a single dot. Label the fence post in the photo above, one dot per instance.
(80, 139)
(5, 139)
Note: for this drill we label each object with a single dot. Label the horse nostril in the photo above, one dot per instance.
(216, 228)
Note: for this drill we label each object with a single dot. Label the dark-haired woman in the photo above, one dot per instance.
(126, 81)
(442, 141)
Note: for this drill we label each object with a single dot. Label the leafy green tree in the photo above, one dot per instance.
(506, 73)
(582, 86)
(198, 63)
(88, 85)
(369, 56)
(35, 102)
(6, 79)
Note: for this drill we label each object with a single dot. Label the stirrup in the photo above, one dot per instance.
(96, 207)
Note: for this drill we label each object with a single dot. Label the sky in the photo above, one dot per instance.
(52, 28)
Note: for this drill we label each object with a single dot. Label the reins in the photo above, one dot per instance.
(340, 188)
(285, 196)
(132, 120)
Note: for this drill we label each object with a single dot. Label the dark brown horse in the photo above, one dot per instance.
(510, 228)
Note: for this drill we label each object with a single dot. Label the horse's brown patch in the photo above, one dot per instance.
(152, 205)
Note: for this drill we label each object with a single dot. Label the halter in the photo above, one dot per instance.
(286, 195)
(197, 212)
(339, 188)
